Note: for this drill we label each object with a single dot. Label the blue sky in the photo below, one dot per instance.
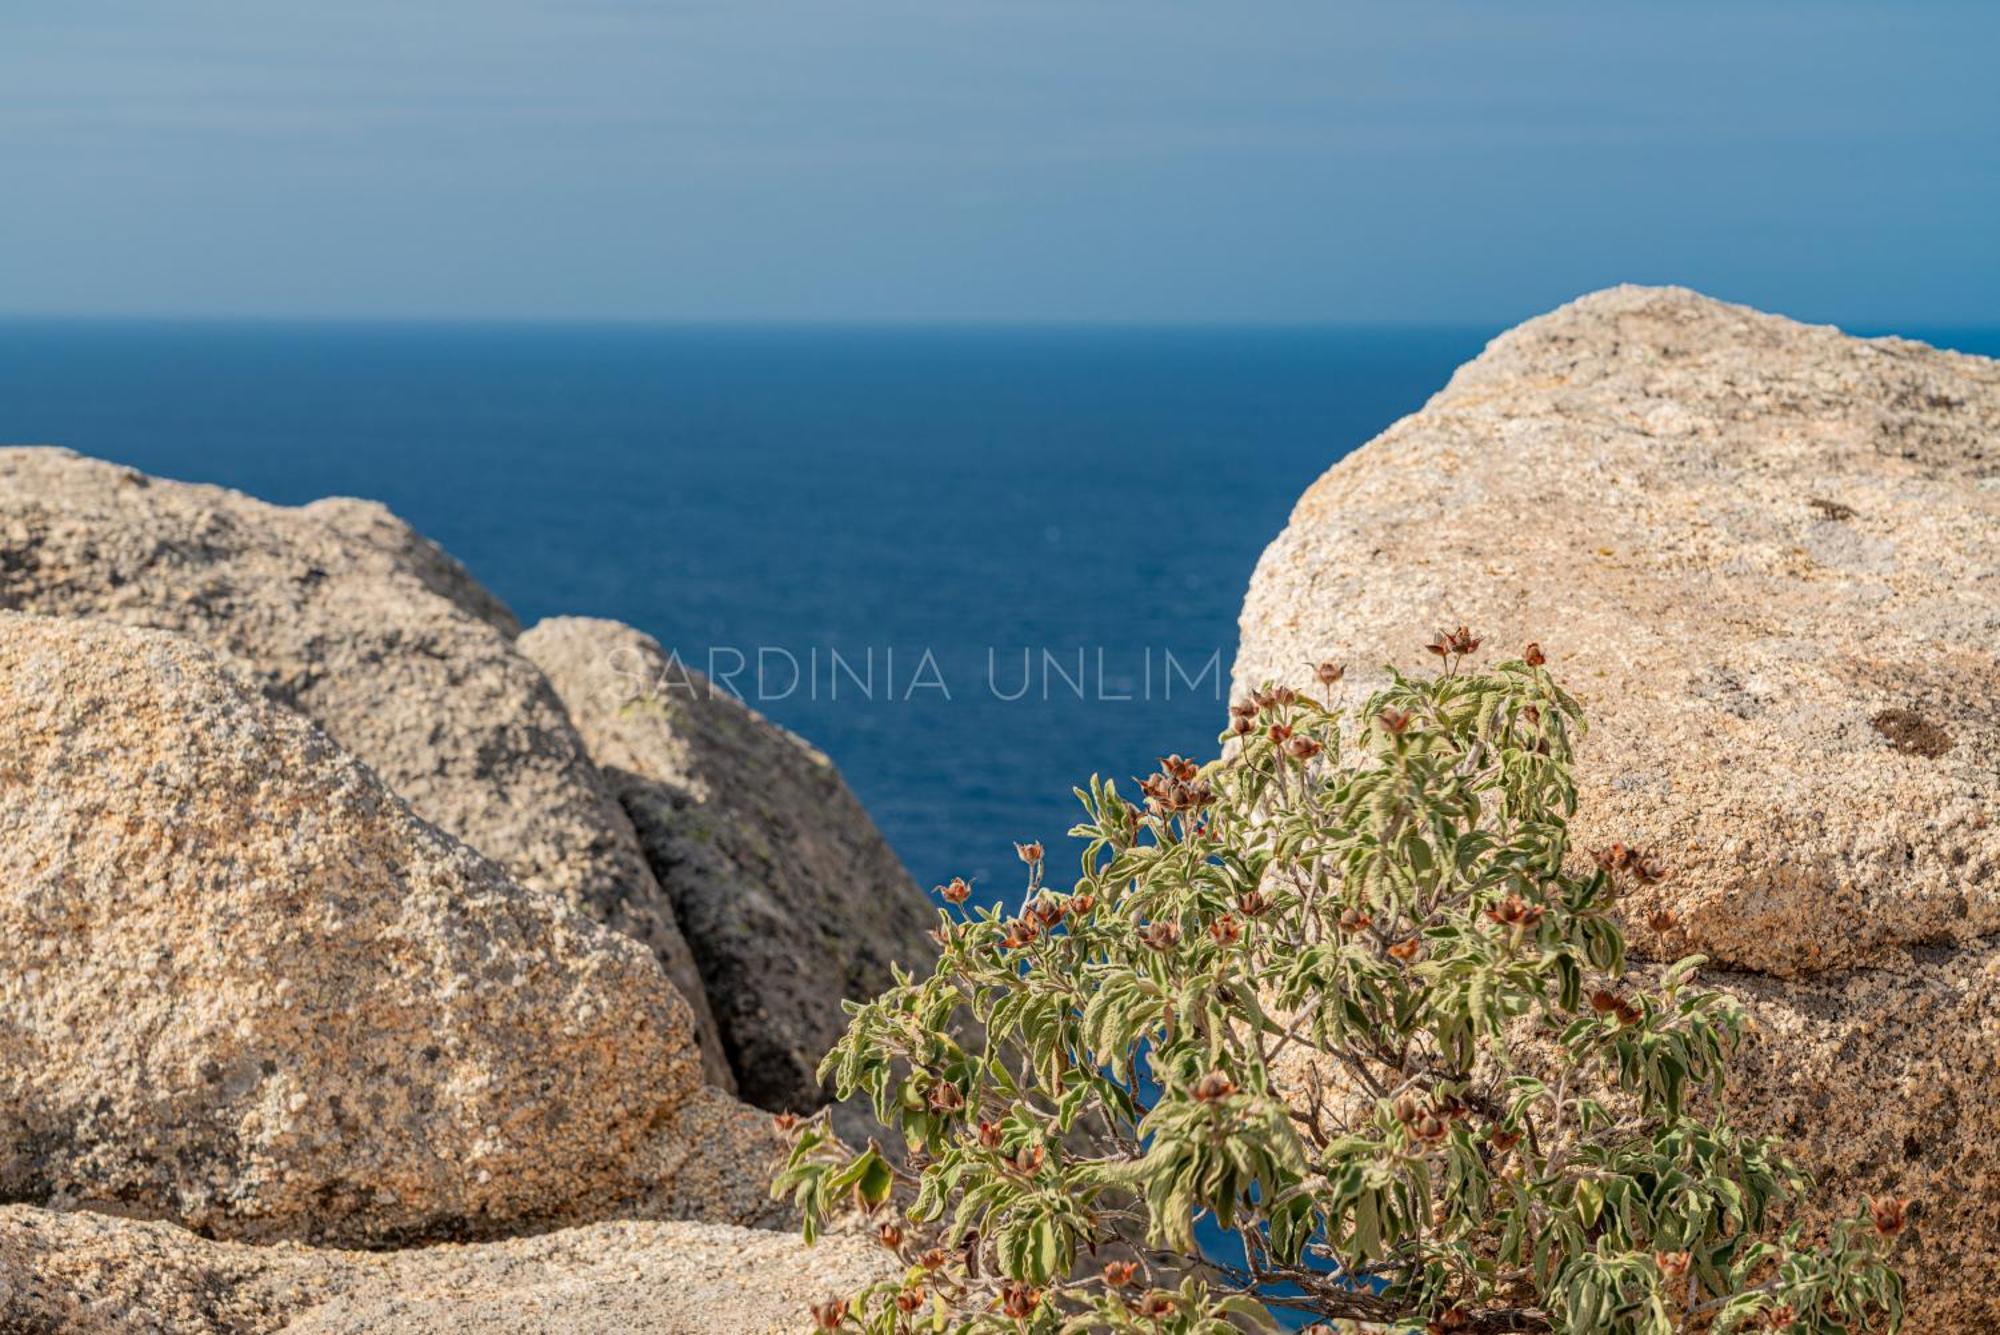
(1021, 161)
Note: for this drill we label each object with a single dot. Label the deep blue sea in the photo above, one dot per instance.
(1093, 500)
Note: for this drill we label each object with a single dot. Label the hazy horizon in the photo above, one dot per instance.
(1431, 165)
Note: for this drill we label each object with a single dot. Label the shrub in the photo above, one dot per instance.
(1352, 1003)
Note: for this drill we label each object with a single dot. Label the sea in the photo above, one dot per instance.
(974, 566)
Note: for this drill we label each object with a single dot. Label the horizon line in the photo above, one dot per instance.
(867, 324)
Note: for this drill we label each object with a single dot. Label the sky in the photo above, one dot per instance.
(1123, 161)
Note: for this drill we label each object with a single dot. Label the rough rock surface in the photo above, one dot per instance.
(87, 1274)
(344, 613)
(247, 989)
(789, 896)
(1886, 1081)
(1767, 557)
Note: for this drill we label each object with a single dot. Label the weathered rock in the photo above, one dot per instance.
(789, 896)
(1886, 1081)
(88, 1274)
(247, 989)
(1766, 556)
(376, 525)
(344, 613)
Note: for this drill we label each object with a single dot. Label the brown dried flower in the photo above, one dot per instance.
(1161, 936)
(1610, 1003)
(945, 1097)
(1329, 672)
(1395, 721)
(1454, 643)
(889, 1235)
(829, 1315)
(1177, 788)
(1019, 1299)
(1225, 931)
(1889, 1214)
(1407, 949)
(1215, 1085)
(957, 892)
(1030, 853)
(1641, 865)
(1513, 911)
(1118, 1274)
(1028, 1160)
(1532, 655)
(1673, 1265)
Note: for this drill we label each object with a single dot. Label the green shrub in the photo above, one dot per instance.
(1353, 1001)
